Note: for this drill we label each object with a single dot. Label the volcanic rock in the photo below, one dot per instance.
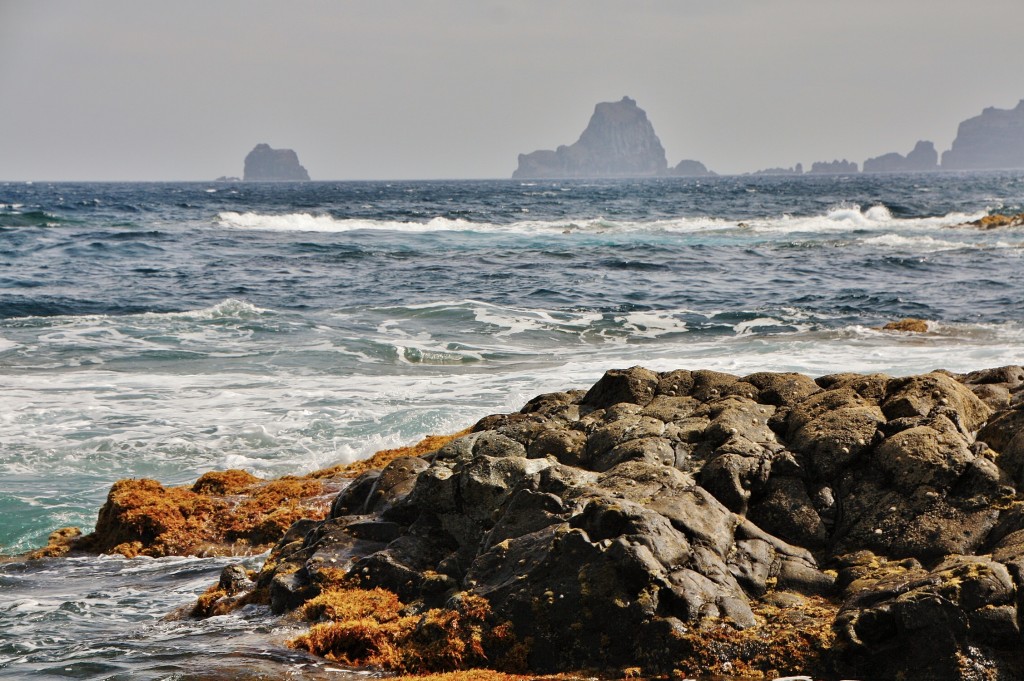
(619, 141)
(995, 139)
(264, 164)
(854, 526)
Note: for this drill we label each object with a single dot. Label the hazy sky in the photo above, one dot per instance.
(392, 89)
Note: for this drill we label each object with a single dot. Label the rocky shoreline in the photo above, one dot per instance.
(683, 523)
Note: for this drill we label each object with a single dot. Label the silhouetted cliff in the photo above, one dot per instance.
(264, 164)
(995, 139)
(833, 167)
(619, 142)
(922, 158)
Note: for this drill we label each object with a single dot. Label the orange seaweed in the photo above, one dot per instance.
(373, 628)
(430, 443)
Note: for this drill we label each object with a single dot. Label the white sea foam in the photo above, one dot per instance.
(923, 244)
(844, 217)
(851, 217)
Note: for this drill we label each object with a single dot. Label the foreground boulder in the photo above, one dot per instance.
(694, 521)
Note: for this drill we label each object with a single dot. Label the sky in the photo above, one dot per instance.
(415, 89)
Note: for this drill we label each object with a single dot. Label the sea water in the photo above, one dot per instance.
(165, 330)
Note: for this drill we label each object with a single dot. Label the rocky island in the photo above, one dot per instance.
(619, 141)
(843, 167)
(922, 158)
(993, 140)
(690, 168)
(682, 522)
(264, 164)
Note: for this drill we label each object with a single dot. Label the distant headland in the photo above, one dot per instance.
(264, 164)
(620, 141)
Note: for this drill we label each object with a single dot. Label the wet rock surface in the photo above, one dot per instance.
(762, 524)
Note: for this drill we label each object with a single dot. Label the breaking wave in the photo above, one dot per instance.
(843, 217)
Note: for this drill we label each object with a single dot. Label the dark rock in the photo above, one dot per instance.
(1003, 428)
(619, 141)
(393, 484)
(782, 389)
(832, 440)
(352, 500)
(635, 386)
(785, 509)
(567, 445)
(625, 523)
(264, 164)
(995, 139)
(710, 385)
(234, 579)
(920, 395)
(932, 623)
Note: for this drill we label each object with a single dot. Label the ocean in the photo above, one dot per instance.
(168, 329)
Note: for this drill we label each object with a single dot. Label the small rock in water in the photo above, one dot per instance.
(910, 324)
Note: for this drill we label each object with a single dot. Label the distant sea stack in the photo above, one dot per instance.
(619, 142)
(843, 167)
(993, 140)
(264, 164)
(922, 158)
(690, 168)
(798, 169)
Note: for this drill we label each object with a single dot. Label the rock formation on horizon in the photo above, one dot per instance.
(798, 169)
(619, 141)
(993, 140)
(691, 168)
(922, 158)
(834, 167)
(264, 164)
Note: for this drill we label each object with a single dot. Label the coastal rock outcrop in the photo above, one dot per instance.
(264, 164)
(695, 521)
(998, 220)
(619, 141)
(843, 167)
(993, 140)
(922, 158)
(223, 513)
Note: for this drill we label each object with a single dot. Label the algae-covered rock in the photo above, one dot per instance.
(849, 526)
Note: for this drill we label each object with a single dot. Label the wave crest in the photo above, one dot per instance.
(841, 217)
